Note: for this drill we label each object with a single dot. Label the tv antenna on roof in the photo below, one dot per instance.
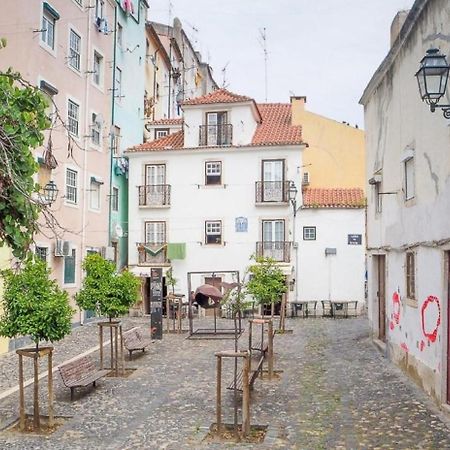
(263, 42)
(224, 75)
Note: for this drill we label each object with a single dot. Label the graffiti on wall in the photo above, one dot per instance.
(395, 316)
(430, 316)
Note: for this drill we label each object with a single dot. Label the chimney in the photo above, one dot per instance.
(397, 24)
(297, 108)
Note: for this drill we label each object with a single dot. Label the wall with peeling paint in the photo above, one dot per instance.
(398, 126)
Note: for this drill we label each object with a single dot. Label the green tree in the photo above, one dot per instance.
(171, 280)
(104, 290)
(34, 305)
(22, 119)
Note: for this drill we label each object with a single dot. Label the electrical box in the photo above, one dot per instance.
(330, 251)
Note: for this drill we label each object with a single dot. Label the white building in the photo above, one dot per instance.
(408, 217)
(204, 199)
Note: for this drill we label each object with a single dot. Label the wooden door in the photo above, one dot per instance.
(381, 295)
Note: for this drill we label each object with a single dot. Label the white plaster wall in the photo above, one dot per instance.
(396, 119)
(332, 277)
(192, 203)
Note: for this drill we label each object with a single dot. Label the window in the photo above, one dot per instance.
(73, 114)
(96, 129)
(155, 232)
(213, 172)
(161, 132)
(49, 91)
(410, 275)
(378, 198)
(118, 87)
(116, 141)
(115, 199)
(309, 233)
(218, 131)
(273, 188)
(49, 19)
(42, 253)
(71, 186)
(74, 50)
(69, 268)
(305, 178)
(273, 244)
(79, 2)
(409, 178)
(95, 194)
(213, 232)
(119, 35)
(99, 4)
(98, 69)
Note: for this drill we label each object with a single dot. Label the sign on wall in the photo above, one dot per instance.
(241, 224)
(354, 239)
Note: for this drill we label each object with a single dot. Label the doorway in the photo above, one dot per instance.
(447, 282)
(380, 262)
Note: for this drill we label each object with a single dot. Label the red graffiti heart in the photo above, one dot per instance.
(433, 335)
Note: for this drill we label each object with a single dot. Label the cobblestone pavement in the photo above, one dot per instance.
(336, 391)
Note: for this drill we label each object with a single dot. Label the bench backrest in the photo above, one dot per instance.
(77, 369)
(132, 337)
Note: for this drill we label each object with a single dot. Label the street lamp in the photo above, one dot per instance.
(292, 193)
(50, 192)
(432, 78)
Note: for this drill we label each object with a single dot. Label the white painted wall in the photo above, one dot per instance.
(397, 120)
(332, 277)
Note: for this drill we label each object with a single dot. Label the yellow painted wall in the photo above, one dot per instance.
(335, 157)
(5, 255)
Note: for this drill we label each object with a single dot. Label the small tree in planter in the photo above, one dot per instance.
(267, 283)
(35, 306)
(110, 294)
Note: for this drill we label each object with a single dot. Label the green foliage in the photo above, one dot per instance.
(171, 280)
(33, 304)
(266, 282)
(104, 290)
(22, 120)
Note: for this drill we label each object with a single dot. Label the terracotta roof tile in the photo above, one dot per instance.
(172, 141)
(276, 127)
(333, 198)
(218, 96)
(176, 121)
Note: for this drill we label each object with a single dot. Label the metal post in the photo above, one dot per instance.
(100, 331)
(246, 397)
(270, 350)
(36, 419)
(21, 396)
(50, 390)
(219, 394)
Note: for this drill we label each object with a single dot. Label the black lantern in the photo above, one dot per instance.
(50, 192)
(432, 78)
(292, 192)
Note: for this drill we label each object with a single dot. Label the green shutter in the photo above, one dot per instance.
(69, 268)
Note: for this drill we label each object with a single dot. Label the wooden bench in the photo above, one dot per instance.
(80, 373)
(133, 340)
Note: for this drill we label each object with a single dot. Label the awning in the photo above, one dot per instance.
(144, 271)
(47, 87)
(52, 11)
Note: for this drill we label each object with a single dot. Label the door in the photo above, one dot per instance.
(155, 238)
(381, 295)
(273, 239)
(447, 276)
(216, 123)
(155, 183)
(216, 282)
(272, 177)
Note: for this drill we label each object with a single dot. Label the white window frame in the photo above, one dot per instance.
(74, 50)
(115, 199)
(411, 276)
(213, 169)
(47, 18)
(118, 84)
(213, 228)
(96, 132)
(410, 178)
(309, 233)
(98, 75)
(95, 194)
(99, 9)
(45, 247)
(160, 231)
(72, 250)
(116, 140)
(71, 189)
(73, 119)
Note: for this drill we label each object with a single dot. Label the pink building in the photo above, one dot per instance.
(66, 48)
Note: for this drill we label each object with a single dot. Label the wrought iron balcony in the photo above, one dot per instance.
(272, 191)
(280, 251)
(210, 135)
(154, 195)
(151, 253)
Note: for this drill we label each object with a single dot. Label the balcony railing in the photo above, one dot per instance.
(280, 251)
(216, 134)
(154, 195)
(272, 191)
(151, 253)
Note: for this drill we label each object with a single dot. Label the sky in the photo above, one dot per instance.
(326, 50)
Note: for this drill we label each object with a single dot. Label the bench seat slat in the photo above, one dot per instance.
(88, 379)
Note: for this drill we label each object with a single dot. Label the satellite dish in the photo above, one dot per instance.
(119, 231)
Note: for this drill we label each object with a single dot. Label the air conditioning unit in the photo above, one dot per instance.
(108, 253)
(305, 179)
(62, 248)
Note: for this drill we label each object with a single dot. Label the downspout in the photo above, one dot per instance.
(170, 79)
(112, 133)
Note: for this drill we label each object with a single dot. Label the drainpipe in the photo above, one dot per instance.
(111, 134)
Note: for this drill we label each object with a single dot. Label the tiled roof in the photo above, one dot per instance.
(218, 96)
(172, 141)
(176, 121)
(333, 198)
(276, 127)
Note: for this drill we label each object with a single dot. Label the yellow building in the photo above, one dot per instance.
(5, 255)
(335, 157)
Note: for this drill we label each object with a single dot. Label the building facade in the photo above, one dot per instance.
(212, 194)
(65, 48)
(408, 237)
